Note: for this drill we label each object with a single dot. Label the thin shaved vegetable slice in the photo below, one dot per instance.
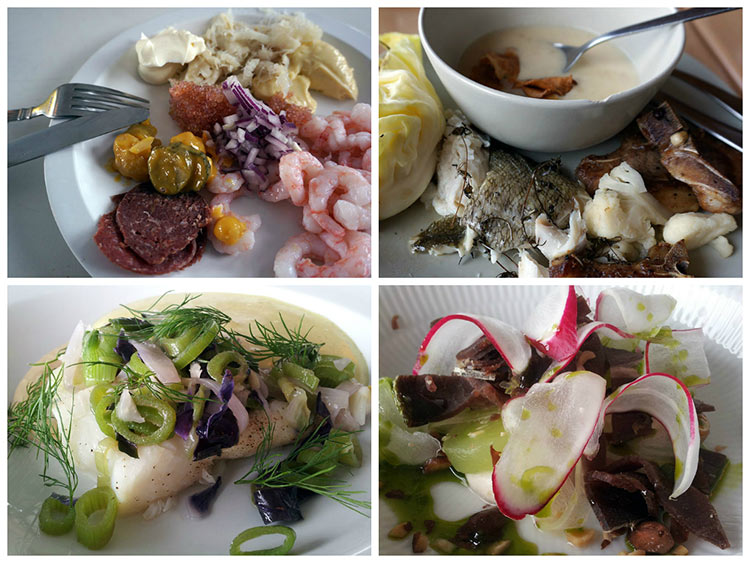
(453, 333)
(71, 359)
(584, 332)
(668, 400)
(552, 326)
(633, 312)
(682, 356)
(554, 424)
(157, 361)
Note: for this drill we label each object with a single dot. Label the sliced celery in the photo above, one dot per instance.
(56, 518)
(98, 347)
(101, 462)
(157, 428)
(289, 537)
(329, 375)
(199, 343)
(351, 450)
(96, 532)
(220, 363)
(303, 377)
(103, 414)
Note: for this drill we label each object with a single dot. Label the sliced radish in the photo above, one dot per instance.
(157, 361)
(552, 325)
(683, 357)
(453, 333)
(584, 331)
(633, 312)
(668, 400)
(555, 423)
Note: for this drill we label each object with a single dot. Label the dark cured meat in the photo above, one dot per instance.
(482, 360)
(428, 398)
(692, 509)
(156, 226)
(110, 241)
(629, 425)
(615, 508)
(711, 466)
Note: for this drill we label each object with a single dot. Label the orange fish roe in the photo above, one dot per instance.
(196, 108)
(296, 114)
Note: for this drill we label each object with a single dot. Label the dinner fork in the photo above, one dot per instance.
(74, 100)
(572, 53)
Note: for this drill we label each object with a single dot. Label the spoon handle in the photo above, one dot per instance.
(678, 17)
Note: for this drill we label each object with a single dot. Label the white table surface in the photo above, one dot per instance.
(45, 49)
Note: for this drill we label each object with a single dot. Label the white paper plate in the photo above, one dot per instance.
(397, 261)
(718, 310)
(43, 318)
(79, 186)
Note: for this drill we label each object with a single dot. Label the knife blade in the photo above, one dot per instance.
(72, 131)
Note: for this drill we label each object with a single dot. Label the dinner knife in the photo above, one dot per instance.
(72, 131)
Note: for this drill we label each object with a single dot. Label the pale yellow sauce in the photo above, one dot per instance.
(602, 71)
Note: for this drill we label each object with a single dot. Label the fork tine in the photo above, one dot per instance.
(95, 106)
(94, 89)
(108, 99)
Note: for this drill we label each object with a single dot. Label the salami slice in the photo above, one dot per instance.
(155, 226)
(110, 241)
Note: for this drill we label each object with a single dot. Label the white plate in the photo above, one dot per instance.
(79, 186)
(43, 317)
(717, 309)
(397, 261)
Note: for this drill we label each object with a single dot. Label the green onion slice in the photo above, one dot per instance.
(56, 518)
(251, 533)
(101, 504)
(303, 377)
(160, 419)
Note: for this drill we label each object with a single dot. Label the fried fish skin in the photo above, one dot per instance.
(514, 193)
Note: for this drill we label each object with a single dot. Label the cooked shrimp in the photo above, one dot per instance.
(225, 183)
(301, 247)
(341, 137)
(275, 193)
(354, 263)
(334, 184)
(295, 169)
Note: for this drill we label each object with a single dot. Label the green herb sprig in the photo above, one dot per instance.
(283, 344)
(315, 474)
(31, 422)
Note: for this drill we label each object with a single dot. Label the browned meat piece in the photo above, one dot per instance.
(711, 467)
(109, 240)
(692, 509)
(651, 537)
(663, 261)
(428, 398)
(156, 226)
(646, 159)
(680, 156)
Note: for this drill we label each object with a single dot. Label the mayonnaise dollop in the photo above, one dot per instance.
(161, 57)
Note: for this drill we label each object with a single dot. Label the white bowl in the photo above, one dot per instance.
(549, 125)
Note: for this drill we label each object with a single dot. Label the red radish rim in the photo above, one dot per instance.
(518, 516)
(593, 327)
(426, 341)
(685, 390)
(567, 322)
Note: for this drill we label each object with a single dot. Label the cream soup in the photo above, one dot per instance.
(599, 73)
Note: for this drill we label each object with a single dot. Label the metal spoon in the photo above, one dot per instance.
(572, 54)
